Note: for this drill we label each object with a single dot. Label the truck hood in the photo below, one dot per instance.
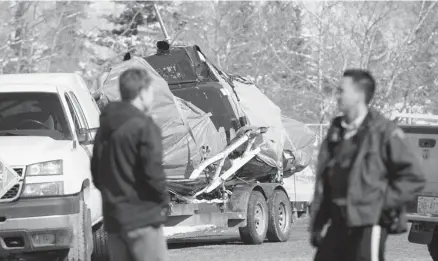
(20, 150)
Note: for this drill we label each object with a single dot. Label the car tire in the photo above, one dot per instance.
(100, 241)
(82, 246)
(280, 217)
(254, 232)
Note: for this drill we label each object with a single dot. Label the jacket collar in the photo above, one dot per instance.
(372, 120)
(355, 124)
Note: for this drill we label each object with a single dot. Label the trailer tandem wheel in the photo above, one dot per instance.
(280, 217)
(254, 232)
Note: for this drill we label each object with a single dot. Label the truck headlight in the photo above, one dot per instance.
(43, 189)
(45, 168)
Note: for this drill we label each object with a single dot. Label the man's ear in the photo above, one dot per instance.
(364, 99)
(363, 95)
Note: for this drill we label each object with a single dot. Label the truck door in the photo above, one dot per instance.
(85, 153)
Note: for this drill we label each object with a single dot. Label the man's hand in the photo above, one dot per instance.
(316, 238)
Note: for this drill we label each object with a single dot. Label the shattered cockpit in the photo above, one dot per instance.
(233, 102)
(193, 78)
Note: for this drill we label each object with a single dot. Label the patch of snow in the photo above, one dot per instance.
(171, 231)
(206, 201)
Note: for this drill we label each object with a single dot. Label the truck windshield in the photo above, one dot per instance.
(33, 114)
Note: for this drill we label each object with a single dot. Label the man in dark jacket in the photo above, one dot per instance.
(366, 174)
(127, 169)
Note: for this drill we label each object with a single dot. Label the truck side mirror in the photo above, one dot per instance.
(84, 136)
(98, 96)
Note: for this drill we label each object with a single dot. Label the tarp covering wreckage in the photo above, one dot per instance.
(190, 136)
(183, 125)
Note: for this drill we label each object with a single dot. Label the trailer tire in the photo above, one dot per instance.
(81, 246)
(254, 232)
(280, 217)
(433, 247)
(100, 242)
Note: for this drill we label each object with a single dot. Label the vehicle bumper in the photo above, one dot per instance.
(413, 217)
(37, 224)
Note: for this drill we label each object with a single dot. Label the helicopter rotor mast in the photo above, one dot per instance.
(160, 20)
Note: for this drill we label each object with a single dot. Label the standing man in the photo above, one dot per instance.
(127, 169)
(366, 174)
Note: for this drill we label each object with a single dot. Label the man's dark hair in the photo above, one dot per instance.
(132, 81)
(364, 81)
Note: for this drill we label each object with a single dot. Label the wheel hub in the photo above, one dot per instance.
(282, 216)
(259, 219)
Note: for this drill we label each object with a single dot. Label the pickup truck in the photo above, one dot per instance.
(423, 212)
(48, 203)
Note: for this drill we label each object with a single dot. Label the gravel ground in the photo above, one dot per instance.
(227, 248)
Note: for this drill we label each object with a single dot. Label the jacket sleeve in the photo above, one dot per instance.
(94, 165)
(151, 152)
(406, 177)
(320, 207)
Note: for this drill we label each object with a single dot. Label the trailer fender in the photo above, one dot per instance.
(239, 198)
(269, 188)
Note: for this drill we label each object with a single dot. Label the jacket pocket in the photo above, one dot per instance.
(370, 184)
(373, 170)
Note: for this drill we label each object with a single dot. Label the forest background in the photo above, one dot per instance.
(294, 51)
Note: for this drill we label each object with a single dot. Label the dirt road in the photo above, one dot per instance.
(226, 248)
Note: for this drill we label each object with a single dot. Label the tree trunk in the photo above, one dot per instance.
(19, 33)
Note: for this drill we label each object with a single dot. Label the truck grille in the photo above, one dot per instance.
(12, 193)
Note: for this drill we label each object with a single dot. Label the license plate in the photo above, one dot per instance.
(427, 205)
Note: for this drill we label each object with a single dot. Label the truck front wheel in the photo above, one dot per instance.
(280, 217)
(433, 247)
(100, 239)
(254, 232)
(82, 239)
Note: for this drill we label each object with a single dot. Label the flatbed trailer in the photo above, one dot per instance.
(250, 208)
(258, 210)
